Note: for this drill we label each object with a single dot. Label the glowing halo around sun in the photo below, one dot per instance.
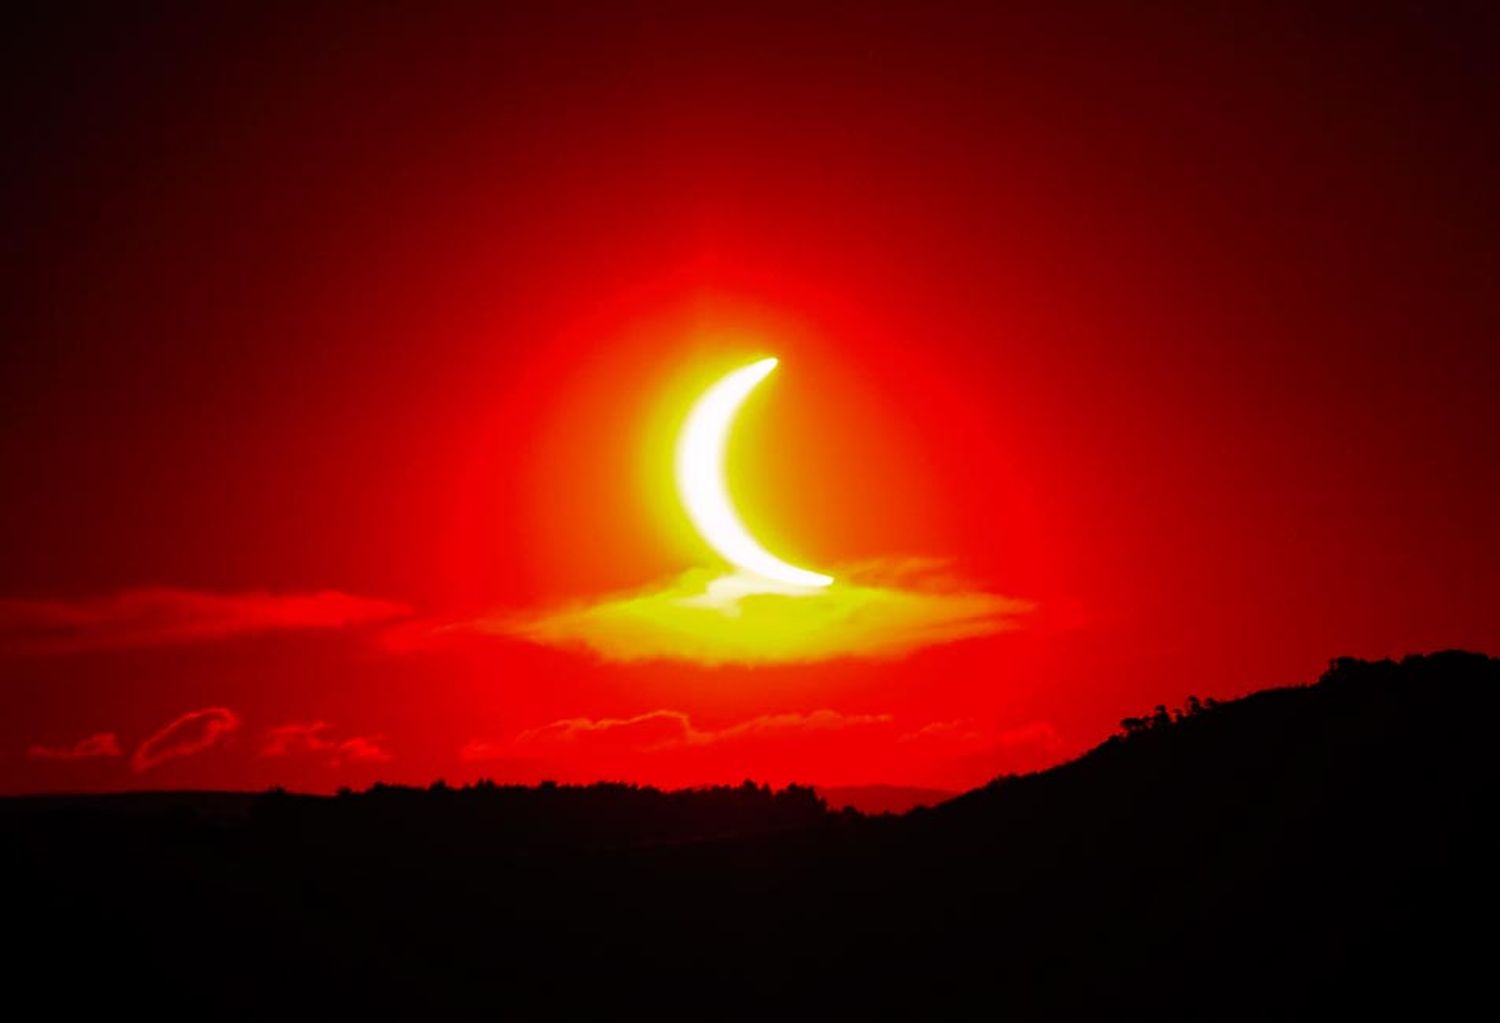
(701, 451)
(763, 610)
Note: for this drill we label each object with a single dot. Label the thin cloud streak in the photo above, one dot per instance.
(668, 743)
(161, 616)
(670, 729)
(101, 744)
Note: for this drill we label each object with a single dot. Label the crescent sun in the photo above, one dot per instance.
(700, 480)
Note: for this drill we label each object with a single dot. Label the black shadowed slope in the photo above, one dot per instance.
(1300, 852)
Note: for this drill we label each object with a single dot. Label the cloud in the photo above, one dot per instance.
(101, 744)
(878, 610)
(669, 746)
(479, 750)
(658, 729)
(156, 616)
(665, 730)
(193, 732)
(662, 729)
(1039, 735)
(985, 752)
(310, 739)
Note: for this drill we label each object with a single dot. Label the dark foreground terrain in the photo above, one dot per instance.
(1318, 850)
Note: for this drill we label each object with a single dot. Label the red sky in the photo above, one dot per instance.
(330, 332)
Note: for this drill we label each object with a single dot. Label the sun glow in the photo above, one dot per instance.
(701, 451)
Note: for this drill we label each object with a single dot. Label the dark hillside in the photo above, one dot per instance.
(1325, 848)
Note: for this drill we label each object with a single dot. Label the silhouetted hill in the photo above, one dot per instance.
(1326, 849)
(876, 799)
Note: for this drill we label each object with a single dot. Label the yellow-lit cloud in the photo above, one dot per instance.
(883, 610)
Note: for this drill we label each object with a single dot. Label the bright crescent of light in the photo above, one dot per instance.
(700, 480)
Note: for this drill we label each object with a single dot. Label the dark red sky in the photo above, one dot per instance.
(331, 328)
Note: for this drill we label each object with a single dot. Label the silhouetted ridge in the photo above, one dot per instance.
(1322, 850)
(875, 799)
(599, 816)
(1350, 722)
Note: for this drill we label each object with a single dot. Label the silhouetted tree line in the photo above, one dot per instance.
(1163, 718)
(599, 814)
(1318, 851)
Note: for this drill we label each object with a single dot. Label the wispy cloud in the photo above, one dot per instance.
(312, 739)
(666, 729)
(663, 731)
(878, 610)
(669, 743)
(479, 750)
(980, 751)
(101, 744)
(156, 616)
(193, 732)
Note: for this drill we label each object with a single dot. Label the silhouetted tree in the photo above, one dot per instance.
(1236, 853)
